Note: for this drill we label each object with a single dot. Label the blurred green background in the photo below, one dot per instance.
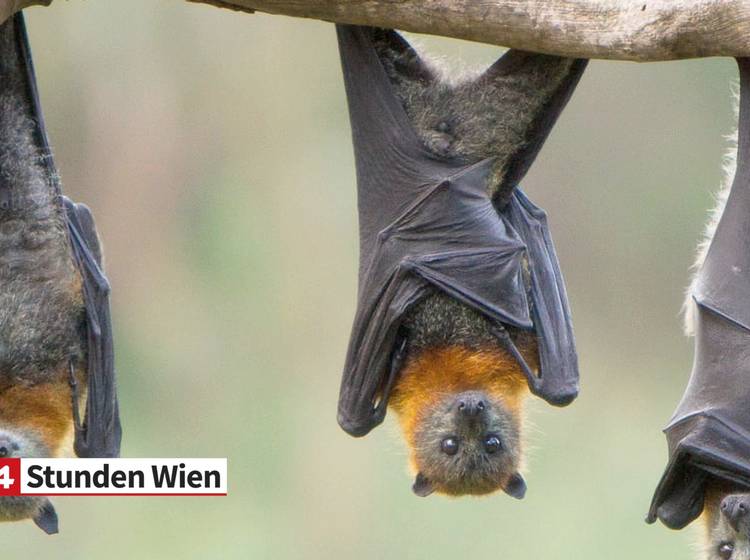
(214, 149)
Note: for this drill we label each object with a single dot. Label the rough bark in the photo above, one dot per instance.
(10, 7)
(640, 30)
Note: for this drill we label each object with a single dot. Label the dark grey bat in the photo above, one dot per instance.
(709, 434)
(427, 223)
(55, 324)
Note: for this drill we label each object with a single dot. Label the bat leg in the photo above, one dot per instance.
(398, 356)
(46, 519)
(503, 336)
(74, 398)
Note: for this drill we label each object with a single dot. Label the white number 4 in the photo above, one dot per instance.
(5, 480)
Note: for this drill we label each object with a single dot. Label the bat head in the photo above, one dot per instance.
(468, 444)
(727, 523)
(14, 443)
(459, 399)
(35, 422)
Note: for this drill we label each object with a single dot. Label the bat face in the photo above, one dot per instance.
(461, 412)
(468, 444)
(35, 421)
(727, 522)
(15, 443)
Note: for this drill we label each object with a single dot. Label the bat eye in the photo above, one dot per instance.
(492, 444)
(449, 446)
(725, 550)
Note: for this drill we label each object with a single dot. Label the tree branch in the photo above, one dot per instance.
(640, 30)
(10, 7)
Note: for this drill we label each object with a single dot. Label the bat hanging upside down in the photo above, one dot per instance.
(55, 333)
(462, 308)
(708, 473)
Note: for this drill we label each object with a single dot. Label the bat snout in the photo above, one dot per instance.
(735, 510)
(471, 404)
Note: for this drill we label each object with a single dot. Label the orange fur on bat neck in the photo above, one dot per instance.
(43, 409)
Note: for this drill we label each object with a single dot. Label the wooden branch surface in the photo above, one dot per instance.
(10, 7)
(640, 30)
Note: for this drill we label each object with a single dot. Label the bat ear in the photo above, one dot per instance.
(422, 486)
(516, 487)
(46, 519)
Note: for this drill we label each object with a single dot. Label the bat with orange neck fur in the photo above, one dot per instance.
(462, 310)
(461, 413)
(55, 331)
(709, 434)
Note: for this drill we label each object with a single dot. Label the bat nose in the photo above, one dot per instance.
(471, 403)
(735, 509)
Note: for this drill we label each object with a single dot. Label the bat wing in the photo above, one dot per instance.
(481, 267)
(100, 432)
(428, 223)
(709, 434)
(557, 381)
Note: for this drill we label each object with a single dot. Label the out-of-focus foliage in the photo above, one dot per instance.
(214, 149)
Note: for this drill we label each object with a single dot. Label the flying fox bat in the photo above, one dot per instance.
(462, 308)
(709, 434)
(55, 329)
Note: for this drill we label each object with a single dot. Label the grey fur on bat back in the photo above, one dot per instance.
(471, 116)
(41, 312)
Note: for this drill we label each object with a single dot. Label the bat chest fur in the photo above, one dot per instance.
(41, 310)
(439, 320)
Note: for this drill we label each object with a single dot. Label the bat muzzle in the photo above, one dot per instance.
(736, 510)
(471, 404)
